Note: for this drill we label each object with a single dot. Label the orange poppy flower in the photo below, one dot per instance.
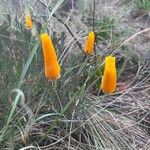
(28, 21)
(51, 65)
(89, 45)
(109, 80)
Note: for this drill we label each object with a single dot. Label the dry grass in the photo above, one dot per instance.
(72, 113)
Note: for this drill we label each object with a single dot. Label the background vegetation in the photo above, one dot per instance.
(72, 113)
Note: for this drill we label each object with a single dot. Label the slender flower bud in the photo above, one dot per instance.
(51, 65)
(108, 83)
(89, 45)
(28, 20)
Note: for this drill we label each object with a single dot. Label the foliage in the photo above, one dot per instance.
(70, 113)
(143, 5)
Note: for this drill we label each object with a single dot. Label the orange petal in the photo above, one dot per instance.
(89, 46)
(109, 80)
(51, 65)
(28, 22)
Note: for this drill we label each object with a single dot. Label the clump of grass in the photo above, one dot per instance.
(105, 26)
(143, 5)
(142, 9)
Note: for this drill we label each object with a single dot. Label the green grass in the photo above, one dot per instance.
(143, 5)
(70, 113)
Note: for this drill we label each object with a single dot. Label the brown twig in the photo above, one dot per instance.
(93, 15)
(94, 31)
(135, 35)
(66, 26)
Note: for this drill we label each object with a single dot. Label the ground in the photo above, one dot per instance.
(73, 113)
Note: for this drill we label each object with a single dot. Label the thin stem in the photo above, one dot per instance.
(93, 15)
(94, 4)
(66, 26)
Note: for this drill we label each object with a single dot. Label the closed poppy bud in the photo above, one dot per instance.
(89, 45)
(109, 79)
(28, 21)
(51, 65)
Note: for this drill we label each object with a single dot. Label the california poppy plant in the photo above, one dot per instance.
(28, 21)
(89, 45)
(109, 79)
(51, 65)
